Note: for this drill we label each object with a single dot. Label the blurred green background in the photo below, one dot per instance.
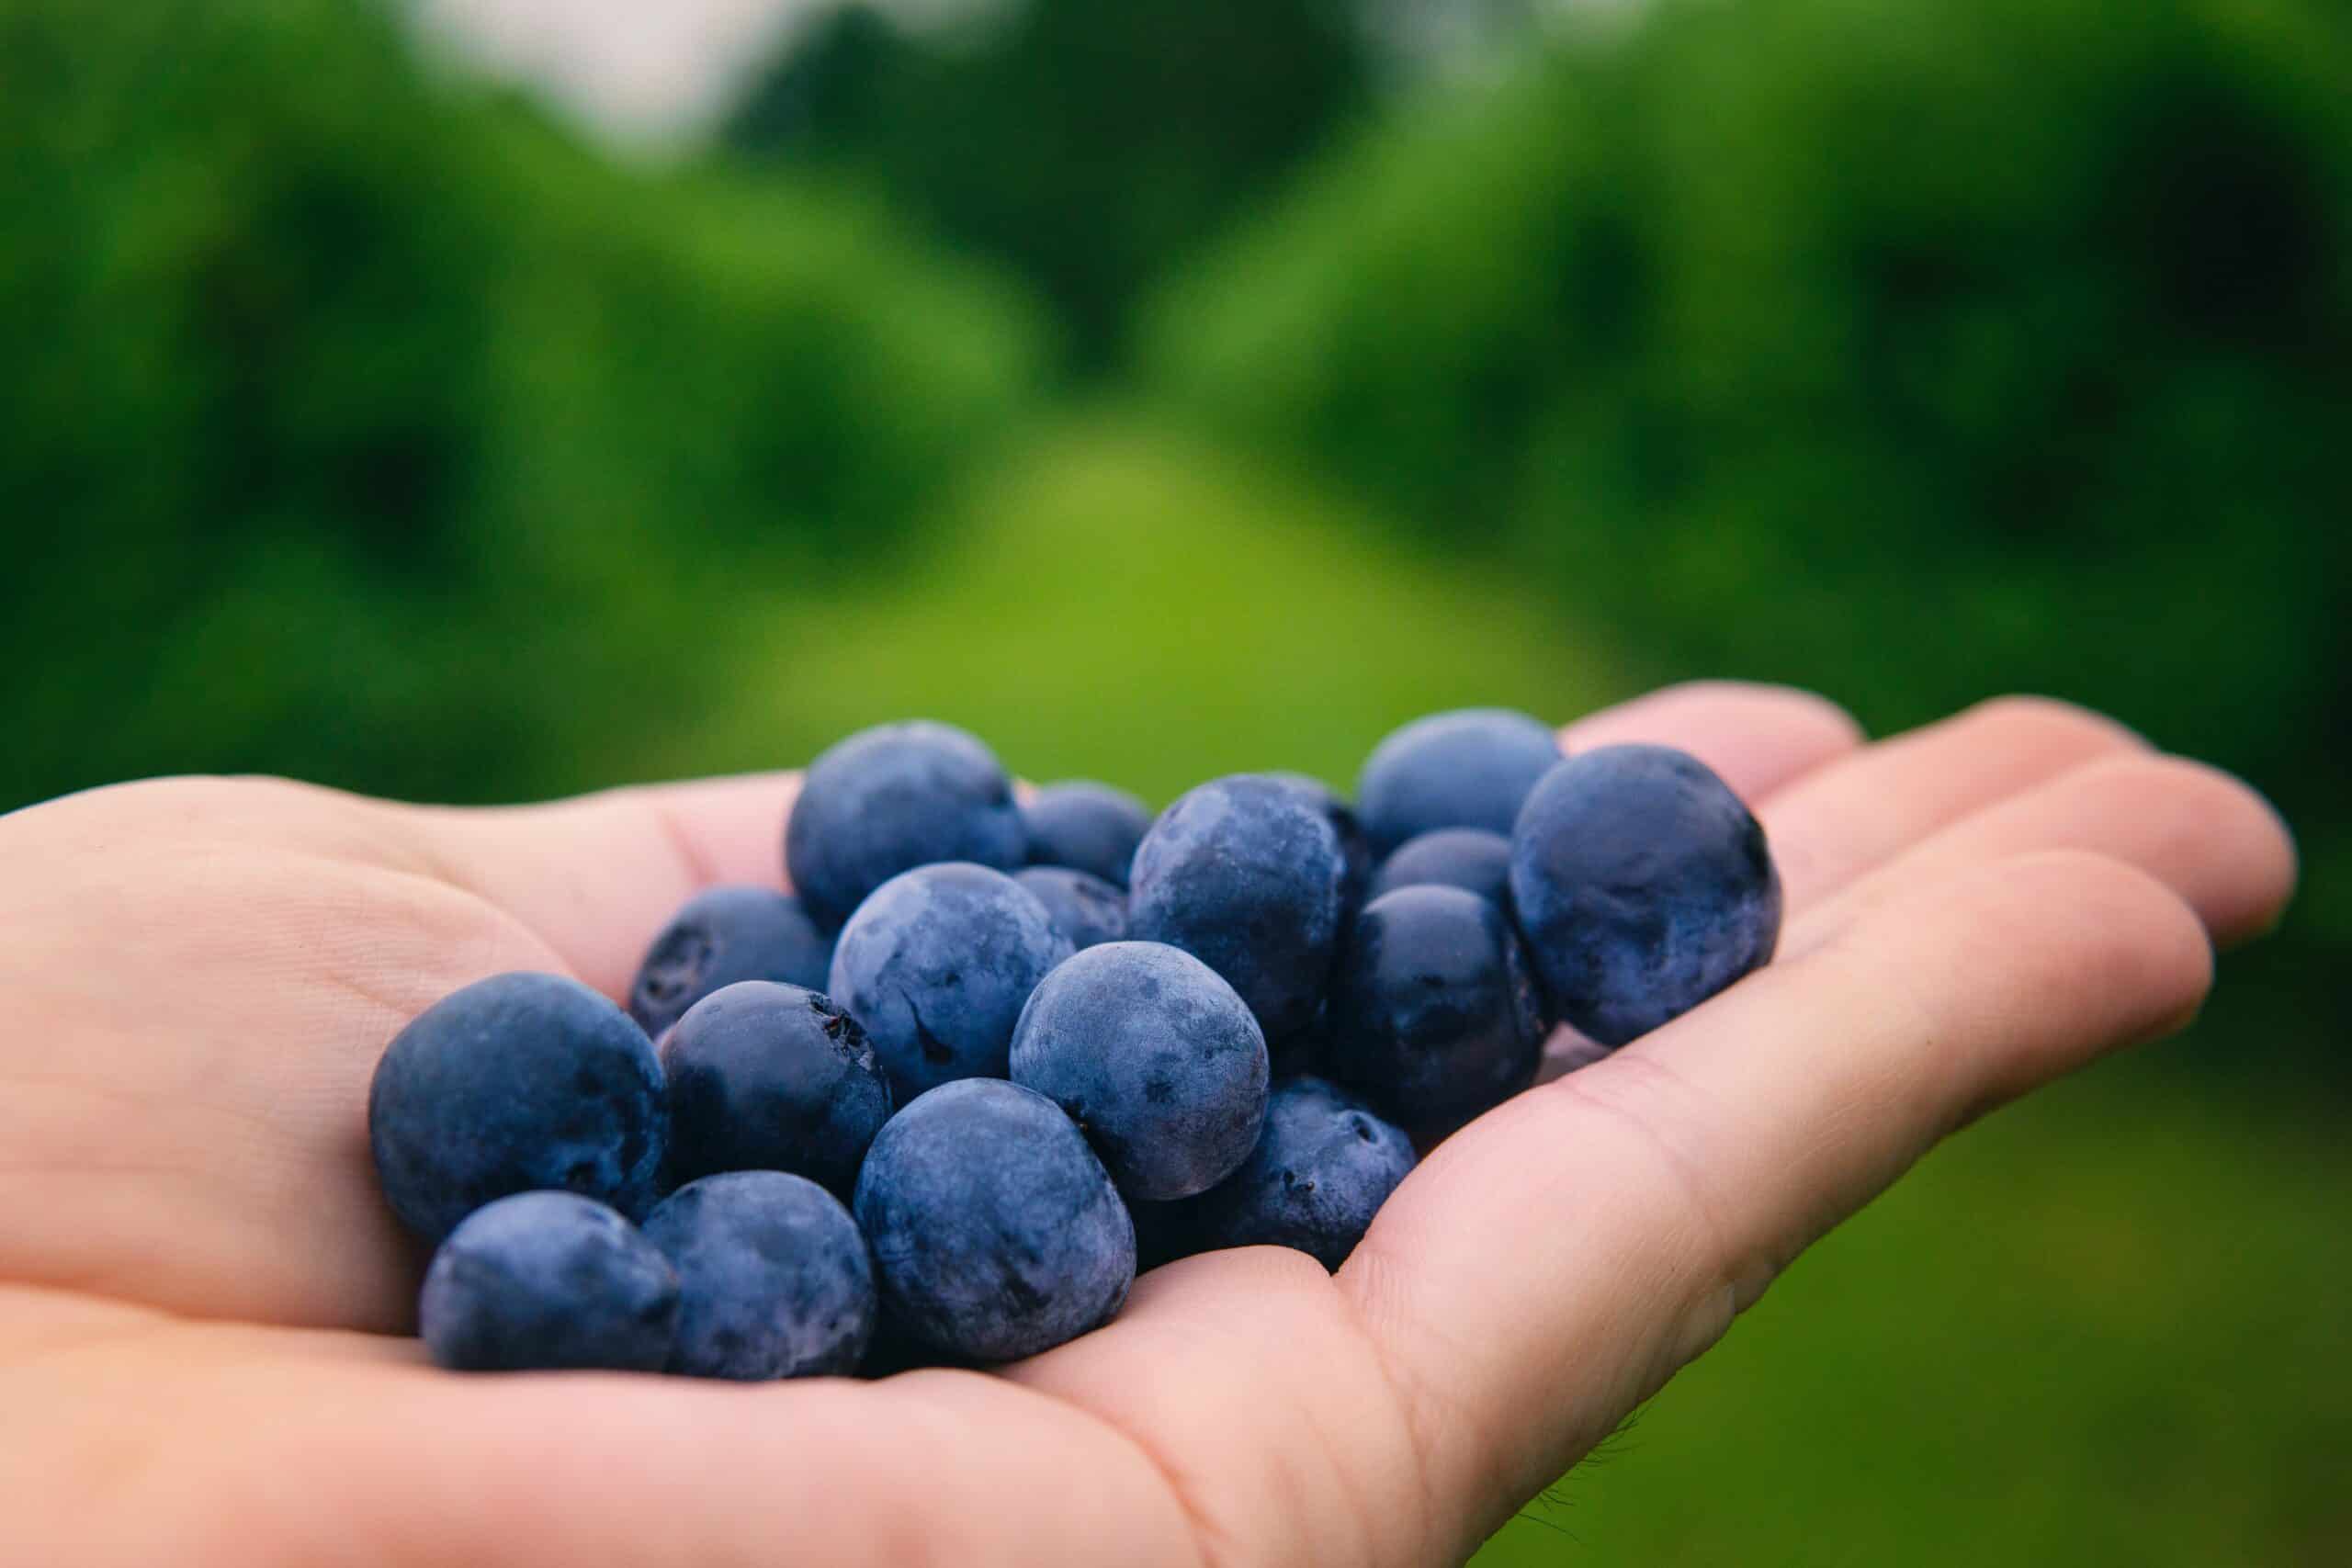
(1169, 387)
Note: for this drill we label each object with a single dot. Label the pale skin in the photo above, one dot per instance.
(203, 1300)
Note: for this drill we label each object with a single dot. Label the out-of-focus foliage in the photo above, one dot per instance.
(1088, 145)
(375, 428)
(1913, 349)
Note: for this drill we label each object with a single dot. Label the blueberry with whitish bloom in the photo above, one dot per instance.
(1084, 908)
(937, 965)
(1157, 1060)
(1087, 826)
(996, 1231)
(1323, 1167)
(767, 1076)
(721, 936)
(549, 1281)
(1470, 767)
(774, 1278)
(1355, 848)
(891, 799)
(1246, 874)
(514, 1084)
(1643, 885)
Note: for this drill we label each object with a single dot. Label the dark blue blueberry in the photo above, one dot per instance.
(774, 1278)
(1087, 826)
(1248, 876)
(891, 799)
(1643, 886)
(766, 1076)
(996, 1231)
(722, 936)
(1155, 1059)
(1322, 1168)
(1084, 908)
(1471, 768)
(1354, 845)
(1469, 858)
(1435, 1013)
(937, 965)
(549, 1281)
(515, 1083)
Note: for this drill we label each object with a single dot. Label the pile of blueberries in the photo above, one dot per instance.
(937, 1105)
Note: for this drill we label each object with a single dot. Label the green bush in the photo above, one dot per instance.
(1913, 349)
(1087, 146)
(360, 425)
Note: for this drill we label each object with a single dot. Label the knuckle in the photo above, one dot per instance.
(1795, 705)
(2051, 724)
(2093, 921)
(2168, 783)
(1829, 720)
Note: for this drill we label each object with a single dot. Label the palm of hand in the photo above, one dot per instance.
(200, 1286)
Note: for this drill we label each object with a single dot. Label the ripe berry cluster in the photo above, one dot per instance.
(989, 1052)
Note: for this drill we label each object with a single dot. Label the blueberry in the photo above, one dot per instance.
(1154, 1058)
(774, 1280)
(512, 1084)
(1087, 826)
(767, 1076)
(996, 1231)
(1248, 876)
(1322, 1168)
(1643, 886)
(891, 799)
(1084, 907)
(937, 965)
(553, 1281)
(1471, 768)
(1434, 1010)
(1468, 858)
(722, 936)
(1354, 845)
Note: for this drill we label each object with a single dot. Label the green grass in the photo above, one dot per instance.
(2108, 1327)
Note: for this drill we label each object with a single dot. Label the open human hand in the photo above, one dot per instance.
(203, 1299)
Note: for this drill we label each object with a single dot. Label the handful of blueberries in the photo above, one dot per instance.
(944, 1096)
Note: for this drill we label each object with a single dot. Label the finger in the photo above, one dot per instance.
(1555, 1262)
(1760, 739)
(1844, 819)
(2204, 834)
(597, 876)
